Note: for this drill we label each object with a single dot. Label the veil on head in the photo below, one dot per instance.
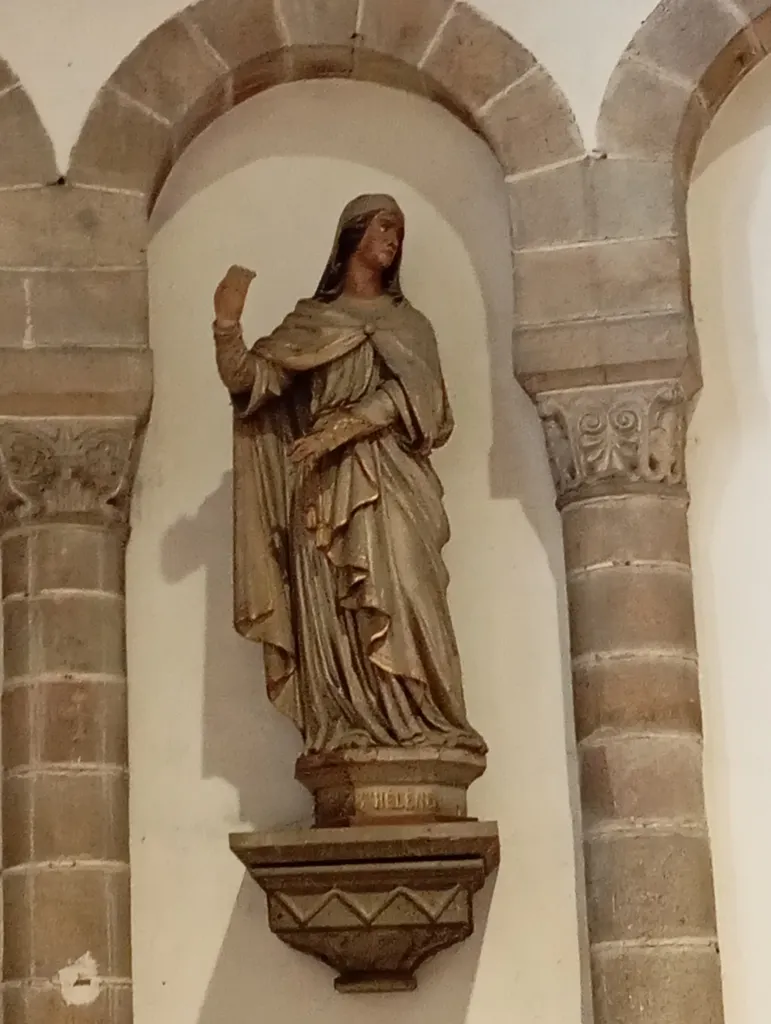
(354, 221)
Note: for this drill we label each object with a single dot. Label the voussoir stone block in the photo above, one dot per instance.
(632, 778)
(685, 38)
(95, 307)
(531, 124)
(601, 280)
(66, 226)
(239, 30)
(27, 154)
(121, 146)
(169, 71)
(649, 886)
(668, 985)
(734, 61)
(474, 59)
(636, 693)
(401, 28)
(649, 116)
(319, 23)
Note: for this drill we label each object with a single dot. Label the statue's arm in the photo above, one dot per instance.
(235, 363)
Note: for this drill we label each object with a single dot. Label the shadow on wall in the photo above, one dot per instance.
(247, 747)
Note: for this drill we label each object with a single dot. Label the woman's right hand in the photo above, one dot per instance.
(230, 295)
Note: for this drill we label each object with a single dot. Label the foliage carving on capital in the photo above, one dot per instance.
(615, 437)
(60, 468)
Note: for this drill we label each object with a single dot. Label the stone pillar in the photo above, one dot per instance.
(64, 487)
(617, 455)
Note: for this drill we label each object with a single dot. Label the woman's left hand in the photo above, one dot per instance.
(309, 449)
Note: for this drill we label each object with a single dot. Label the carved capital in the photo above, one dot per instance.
(60, 468)
(615, 438)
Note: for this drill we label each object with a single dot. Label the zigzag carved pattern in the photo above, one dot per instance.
(432, 914)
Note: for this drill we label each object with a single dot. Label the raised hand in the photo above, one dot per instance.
(230, 295)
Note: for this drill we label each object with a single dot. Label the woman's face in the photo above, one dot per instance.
(380, 245)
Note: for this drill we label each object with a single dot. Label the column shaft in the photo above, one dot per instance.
(618, 462)
(66, 900)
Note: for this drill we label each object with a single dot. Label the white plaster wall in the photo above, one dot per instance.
(728, 461)
(65, 49)
(265, 187)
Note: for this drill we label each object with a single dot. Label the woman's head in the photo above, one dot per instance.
(371, 230)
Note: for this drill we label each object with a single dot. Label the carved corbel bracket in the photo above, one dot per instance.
(62, 468)
(372, 902)
(615, 438)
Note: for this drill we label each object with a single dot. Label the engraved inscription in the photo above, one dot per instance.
(411, 801)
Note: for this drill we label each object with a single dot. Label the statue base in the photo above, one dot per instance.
(372, 902)
(389, 785)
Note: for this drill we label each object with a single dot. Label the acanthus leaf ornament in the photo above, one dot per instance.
(614, 436)
(62, 467)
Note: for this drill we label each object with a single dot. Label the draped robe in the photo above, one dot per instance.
(338, 564)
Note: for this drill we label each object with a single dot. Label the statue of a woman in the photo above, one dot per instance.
(339, 521)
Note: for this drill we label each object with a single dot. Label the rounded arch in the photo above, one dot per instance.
(678, 69)
(217, 53)
(27, 154)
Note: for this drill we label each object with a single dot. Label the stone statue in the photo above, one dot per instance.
(339, 520)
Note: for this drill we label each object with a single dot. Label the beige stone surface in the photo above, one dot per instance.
(400, 27)
(626, 528)
(169, 70)
(27, 155)
(65, 722)
(599, 280)
(72, 909)
(76, 382)
(631, 608)
(319, 23)
(77, 633)
(734, 61)
(121, 146)
(13, 298)
(43, 1004)
(685, 38)
(92, 307)
(643, 115)
(638, 692)
(628, 777)
(66, 813)
(383, 69)
(583, 353)
(239, 30)
(668, 985)
(649, 886)
(66, 226)
(475, 59)
(531, 125)
(591, 199)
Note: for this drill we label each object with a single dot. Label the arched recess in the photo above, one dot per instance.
(670, 81)
(217, 53)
